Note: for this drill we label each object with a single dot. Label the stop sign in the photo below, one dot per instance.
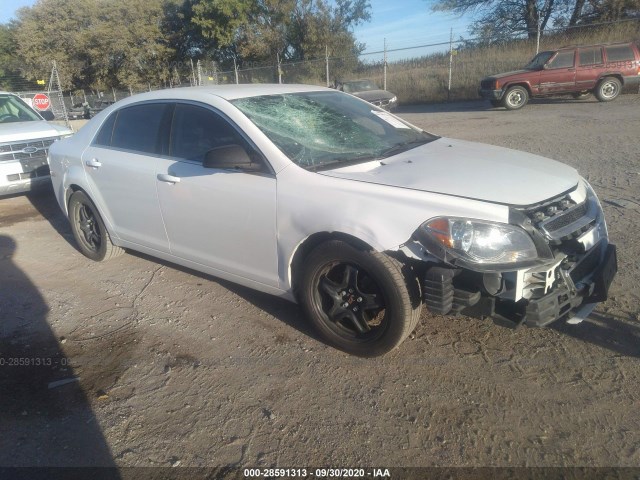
(41, 102)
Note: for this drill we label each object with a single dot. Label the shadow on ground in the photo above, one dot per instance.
(46, 418)
(618, 335)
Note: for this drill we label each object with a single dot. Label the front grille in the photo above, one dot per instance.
(32, 156)
(25, 150)
(486, 84)
(381, 103)
(566, 219)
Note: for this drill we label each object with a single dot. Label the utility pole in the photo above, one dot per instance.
(326, 62)
(384, 65)
(235, 69)
(450, 64)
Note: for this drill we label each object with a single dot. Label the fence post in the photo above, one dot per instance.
(235, 69)
(384, 65)
(326, 61)
(279, 69)
(450, 64)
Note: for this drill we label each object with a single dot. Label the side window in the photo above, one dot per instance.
(196, 130)
(137, 128)
(103, 138)
(590, 56)
(619, 53)
(562, 60)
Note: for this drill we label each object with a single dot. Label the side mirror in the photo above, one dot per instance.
(48, 115)
(231, 157)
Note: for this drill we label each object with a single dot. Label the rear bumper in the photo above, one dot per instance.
(491, 94)
(631, 80)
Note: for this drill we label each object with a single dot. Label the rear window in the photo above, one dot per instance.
(138, 128)
(619, 53)
(590, 56)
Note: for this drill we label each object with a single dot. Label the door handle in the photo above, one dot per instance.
(93, 163)
(165, 177)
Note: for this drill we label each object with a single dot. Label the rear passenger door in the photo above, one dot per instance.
(590, 65)
(121, 166)
(559, 74)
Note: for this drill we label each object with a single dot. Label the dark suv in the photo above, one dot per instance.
(599, 69)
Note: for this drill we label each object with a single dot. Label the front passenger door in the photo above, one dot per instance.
(559, 75)
(219, 218)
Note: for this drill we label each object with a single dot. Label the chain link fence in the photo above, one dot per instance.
(444, 71)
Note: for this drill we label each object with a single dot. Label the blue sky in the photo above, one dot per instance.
(404, 23)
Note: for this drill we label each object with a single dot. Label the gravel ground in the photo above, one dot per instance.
(171, 367)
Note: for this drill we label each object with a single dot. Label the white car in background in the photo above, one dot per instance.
(316, 196)
(25, 138)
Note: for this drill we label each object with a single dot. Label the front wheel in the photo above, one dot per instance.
(608, 89)
(362, 302)
(89, 230)
(515, 98)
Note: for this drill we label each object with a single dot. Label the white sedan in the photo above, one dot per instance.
(319, 197)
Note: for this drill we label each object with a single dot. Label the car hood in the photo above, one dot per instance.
(371, 95)
(511, 74)
(470, 170)
(22, 131)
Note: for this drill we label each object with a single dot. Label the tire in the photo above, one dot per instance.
(581, 95)
(362, 302)
(88, 229)
(495, 103)
(608, 89)
(515, 98)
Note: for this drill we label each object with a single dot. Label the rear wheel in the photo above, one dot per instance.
(89, 230)
(363, 302)
(608, 89)
(515, 98)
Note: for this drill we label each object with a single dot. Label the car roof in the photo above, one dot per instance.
(228, 92)
(571, 47)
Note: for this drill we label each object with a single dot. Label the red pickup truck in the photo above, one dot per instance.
(577, 70)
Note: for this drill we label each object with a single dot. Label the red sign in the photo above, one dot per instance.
(41, 102)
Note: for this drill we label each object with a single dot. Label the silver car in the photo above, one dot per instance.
(318, 197)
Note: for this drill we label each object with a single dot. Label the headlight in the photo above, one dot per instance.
(481, 242)
(393, 100)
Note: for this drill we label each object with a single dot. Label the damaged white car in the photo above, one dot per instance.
(321, 198)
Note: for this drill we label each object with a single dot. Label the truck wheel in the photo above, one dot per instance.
(89, 230)
(608, 89)
(515, 98)
(362, 302)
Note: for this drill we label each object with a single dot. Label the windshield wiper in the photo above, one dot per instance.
(342, 163)
(403, 147)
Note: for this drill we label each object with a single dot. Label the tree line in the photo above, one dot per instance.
(99, 44)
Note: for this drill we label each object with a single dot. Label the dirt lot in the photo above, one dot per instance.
(177, 368)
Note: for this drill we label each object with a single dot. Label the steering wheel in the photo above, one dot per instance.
(7, 116)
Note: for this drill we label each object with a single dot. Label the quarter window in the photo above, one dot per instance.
(103, 138)
(137, 128)
(621, 53)
(591, 56)
(562, 60)
(197, 130)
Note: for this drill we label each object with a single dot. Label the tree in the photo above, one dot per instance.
(95, 43)
(504, 19)
(9, 74)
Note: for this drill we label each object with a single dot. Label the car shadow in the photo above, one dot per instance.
(44, 201)
(619, 335)
(287, 312)
(46, 417)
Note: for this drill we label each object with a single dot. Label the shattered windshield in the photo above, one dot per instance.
(12, 109)
(329, 129)
(538, 61)
(359, 86)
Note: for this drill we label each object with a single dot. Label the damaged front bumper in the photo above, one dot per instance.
(568, 284)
